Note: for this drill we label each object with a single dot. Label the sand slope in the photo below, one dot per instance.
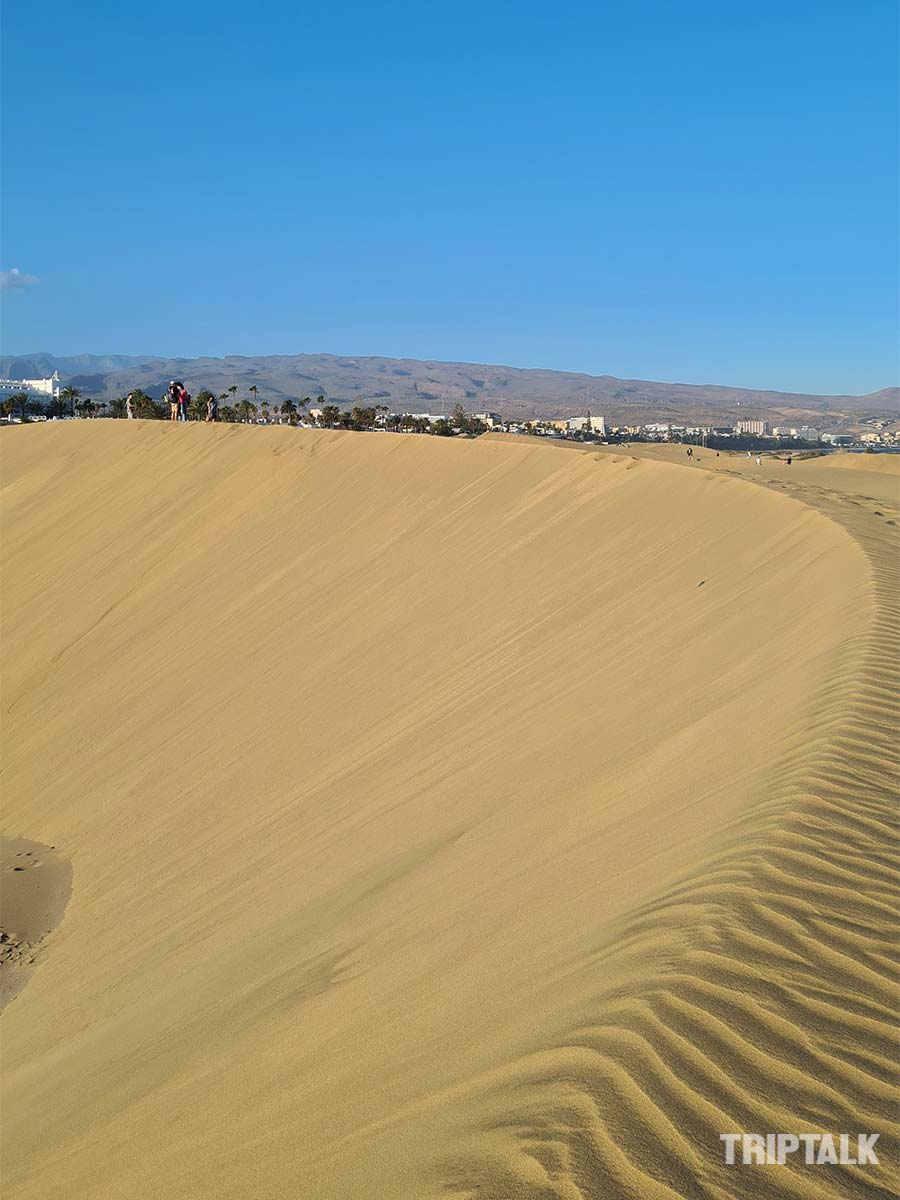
(442, 815)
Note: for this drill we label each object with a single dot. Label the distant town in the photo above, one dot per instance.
(24, 400)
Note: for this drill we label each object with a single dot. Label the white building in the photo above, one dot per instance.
(489, 418)
(756, 428)
(38, 391)
(580, 424)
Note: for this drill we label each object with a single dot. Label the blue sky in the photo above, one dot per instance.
(702, 192)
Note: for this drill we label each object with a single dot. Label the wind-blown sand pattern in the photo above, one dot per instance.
(446, 816)
(781, 1010)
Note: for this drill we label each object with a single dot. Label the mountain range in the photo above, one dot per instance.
(413, 385)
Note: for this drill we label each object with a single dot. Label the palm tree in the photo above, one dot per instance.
(254, 391)
(70, 394)
(232, 392)
(18, 400)
(197, 406)
(145, 406)
(362, 417)
(265, 408)
(245, 410)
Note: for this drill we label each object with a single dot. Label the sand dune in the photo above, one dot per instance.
(445, 816)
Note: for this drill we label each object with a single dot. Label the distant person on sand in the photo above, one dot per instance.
(758, 461)
(789, 460)
(129, 406)
(174, 390)
(212, 409)
(184, 400)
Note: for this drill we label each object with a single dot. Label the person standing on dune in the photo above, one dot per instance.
(129, 406)
(184, 399)
(174, 387)
(212, 409)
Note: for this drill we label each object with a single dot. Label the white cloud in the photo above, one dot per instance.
(16, 279)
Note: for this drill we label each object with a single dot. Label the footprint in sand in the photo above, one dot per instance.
(33, 905)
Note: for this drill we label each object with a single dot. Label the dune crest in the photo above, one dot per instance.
(444, 815)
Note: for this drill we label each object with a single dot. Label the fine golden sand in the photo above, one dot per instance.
(444, 817)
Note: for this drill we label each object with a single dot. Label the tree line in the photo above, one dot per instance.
(71, 402)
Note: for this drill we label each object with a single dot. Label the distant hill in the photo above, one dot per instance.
(411, 385)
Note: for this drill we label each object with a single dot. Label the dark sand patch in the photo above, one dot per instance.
(35, 885)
